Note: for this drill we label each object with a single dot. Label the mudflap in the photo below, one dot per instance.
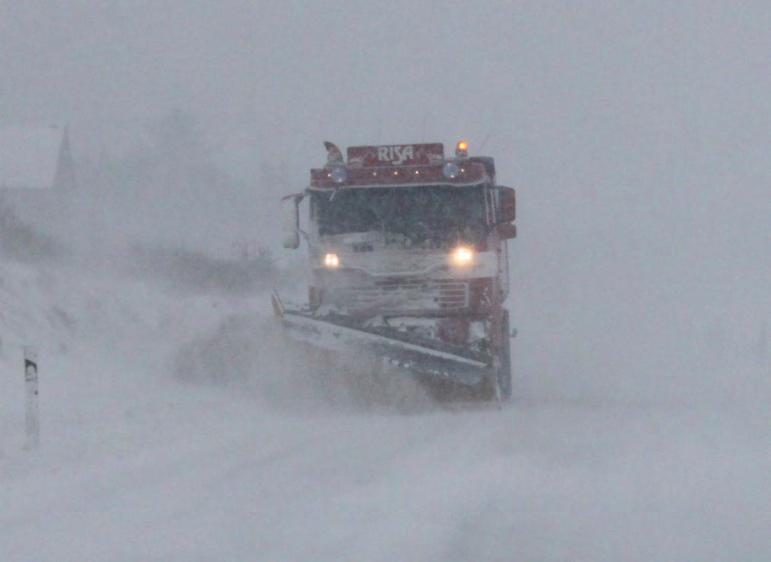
(502, 364)
(425, 359)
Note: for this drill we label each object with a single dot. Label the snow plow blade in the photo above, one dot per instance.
(420, 357)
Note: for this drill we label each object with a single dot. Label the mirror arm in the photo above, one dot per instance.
(293, 232)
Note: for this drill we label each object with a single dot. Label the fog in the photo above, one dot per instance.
(637, 135)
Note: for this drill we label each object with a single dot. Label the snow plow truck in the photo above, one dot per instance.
(408, 261)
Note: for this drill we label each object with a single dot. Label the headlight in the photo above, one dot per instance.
(462, 256)
(331, 260)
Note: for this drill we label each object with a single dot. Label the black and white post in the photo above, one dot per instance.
(32, 418)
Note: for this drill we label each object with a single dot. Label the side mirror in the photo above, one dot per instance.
(290, 222)
(507, 230)
(508, 201)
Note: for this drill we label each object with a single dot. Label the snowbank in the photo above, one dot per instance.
(146, 456)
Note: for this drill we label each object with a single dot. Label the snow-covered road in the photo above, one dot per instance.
(140, 463)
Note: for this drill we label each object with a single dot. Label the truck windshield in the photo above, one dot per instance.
(424, 216)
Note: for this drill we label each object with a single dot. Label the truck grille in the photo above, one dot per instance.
(404, 294)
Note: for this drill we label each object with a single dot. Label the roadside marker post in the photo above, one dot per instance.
(31, 383)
